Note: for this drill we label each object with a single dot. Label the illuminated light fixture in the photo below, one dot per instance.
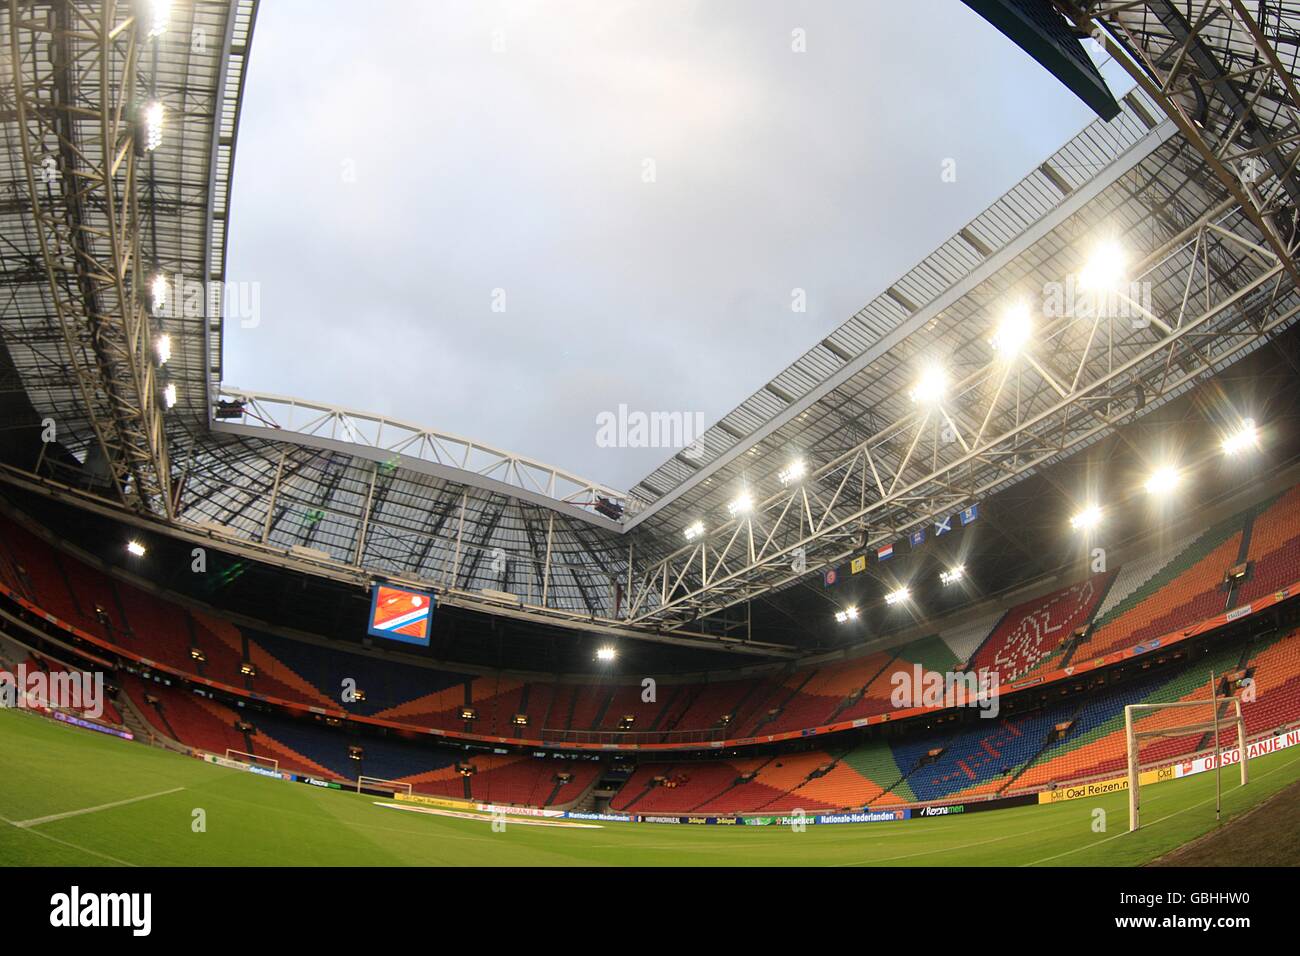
(158, 289)
(1087, 519)
(1243, 439)
(792, 472)
(953, 575)
(1013, 331)
(898, 596)
(930, 387)
(136, 548)
(1105, 267)
(742, 505)
(169, 394)
(693, 531)
(1163, 480)
(163, 346)
(247, 669)
(605, 654)
(153, 126)
(846, 615)
(159, 12)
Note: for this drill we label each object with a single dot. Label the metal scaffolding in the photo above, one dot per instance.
(76, 132)
(1195, 177)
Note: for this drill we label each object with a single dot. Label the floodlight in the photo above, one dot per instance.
(898, 596)
(136, 548)
(159, 12)
(792, 472)
(169, 394)
(1163, 480)
(953, 575)
(158, 289)
(1013, 331)
(1087, 519)
(163, 346)
(1243, 439)
(742, 505)
(929, 388)
(846, 615)
(605, 653)
(1105, 267)
(153, 126)
(693, 531)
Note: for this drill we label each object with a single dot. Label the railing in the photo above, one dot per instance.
(623, 738)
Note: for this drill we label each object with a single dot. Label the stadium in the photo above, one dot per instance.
(1003, 571)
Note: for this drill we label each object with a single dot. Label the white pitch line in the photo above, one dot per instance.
(1168, 816)
(24, 824)
(74, 846)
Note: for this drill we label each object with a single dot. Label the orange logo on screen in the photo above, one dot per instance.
(401, 612)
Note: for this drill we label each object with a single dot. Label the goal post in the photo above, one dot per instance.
(381, 783)
(1213, 724)
(232, 754)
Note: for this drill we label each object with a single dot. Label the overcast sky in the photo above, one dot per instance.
(645, 182)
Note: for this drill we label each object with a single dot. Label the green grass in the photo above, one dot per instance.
(255, 821)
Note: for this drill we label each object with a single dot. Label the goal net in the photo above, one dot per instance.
(1159, 734)
(379, 783)
(242, 756)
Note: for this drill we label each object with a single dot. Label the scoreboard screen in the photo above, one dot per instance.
(400, 614)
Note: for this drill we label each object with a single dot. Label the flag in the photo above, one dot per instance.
(943, 526)
(917, 537)
(858, 564)
(830, 576)
(970, 514)
(885, 553)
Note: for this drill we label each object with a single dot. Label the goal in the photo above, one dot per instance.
(379, 783)
(253, 759)
(1192, 721)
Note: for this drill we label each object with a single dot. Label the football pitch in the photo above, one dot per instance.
(75, 798)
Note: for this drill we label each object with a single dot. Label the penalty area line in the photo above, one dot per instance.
(1167, 816)
(74, 846)
(37, 821)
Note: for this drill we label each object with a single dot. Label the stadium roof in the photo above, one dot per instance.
(1194, 179)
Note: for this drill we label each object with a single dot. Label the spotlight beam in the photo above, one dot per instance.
(955, 430)
(1048, 377)
(920, 428)
(1092, 335)
(997, 395)
(732, 577)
